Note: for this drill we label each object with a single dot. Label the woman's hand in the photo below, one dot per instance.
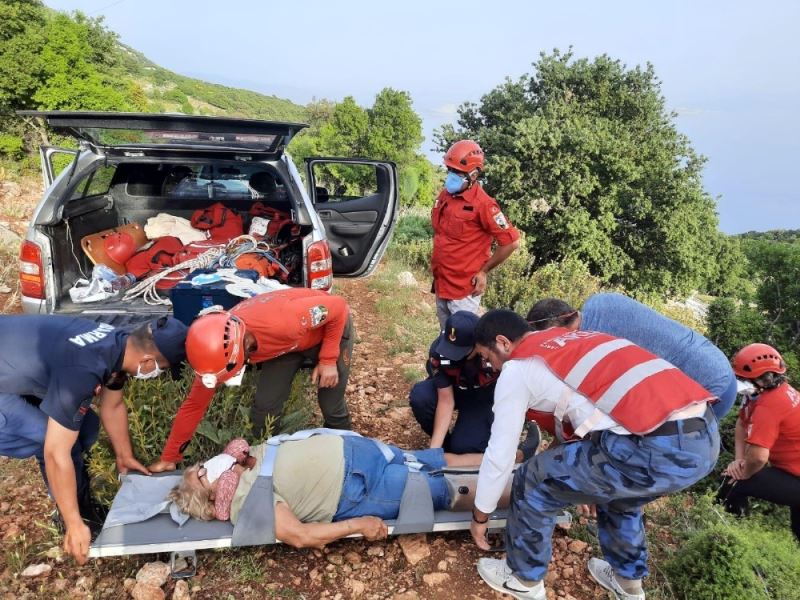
(372, 528)
(735, 470)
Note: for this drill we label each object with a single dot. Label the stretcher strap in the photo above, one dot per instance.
(416, 506)
(256, 523)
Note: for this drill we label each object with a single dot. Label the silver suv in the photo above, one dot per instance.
(132, 166)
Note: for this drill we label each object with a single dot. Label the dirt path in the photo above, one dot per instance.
(377, 394)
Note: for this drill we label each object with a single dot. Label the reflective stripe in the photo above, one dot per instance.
(590, 360)
(630, 379)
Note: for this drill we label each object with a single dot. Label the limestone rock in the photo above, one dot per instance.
(146, 591)
(354, 558)
(154, 573)
(415, 547)
(335, 559)
(577, 546)
(434, 579)
(375, 551)
(409, 595)
(356, 587)
(181, 591)
(36, 570)
(406, 279)
(128, 584)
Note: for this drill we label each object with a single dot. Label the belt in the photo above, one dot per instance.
(671, 427)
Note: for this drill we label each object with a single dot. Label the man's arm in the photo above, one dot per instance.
(290, 530)
(740, 437)
(499, 256)
(114, 416)
(325, 373)
(58, 443)
(185, 424)
(445, 405)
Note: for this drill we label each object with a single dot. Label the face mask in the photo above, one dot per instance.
(454, 182)
(217, 466)
(150, 374)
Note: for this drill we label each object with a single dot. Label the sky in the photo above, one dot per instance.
(729, 69)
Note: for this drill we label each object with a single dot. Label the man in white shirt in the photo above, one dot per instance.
(623, 457)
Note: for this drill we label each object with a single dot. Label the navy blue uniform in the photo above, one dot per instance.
(473, 384)
(53, 367)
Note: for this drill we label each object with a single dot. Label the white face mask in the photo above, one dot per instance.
(217, 466)
(150, 374)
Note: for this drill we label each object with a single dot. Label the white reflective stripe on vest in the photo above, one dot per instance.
(591, 359)
(630, 379)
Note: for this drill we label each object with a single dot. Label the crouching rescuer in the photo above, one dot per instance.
(640, 429)
(281, 332)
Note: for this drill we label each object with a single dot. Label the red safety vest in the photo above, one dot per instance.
(633, 386)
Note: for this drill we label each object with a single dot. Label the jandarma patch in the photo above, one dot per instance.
(500, 219)
(318, 315)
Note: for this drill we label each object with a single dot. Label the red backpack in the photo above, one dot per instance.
(158, 256)
(277, 218)
(222, 223)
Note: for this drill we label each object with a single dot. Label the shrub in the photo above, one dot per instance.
(735, 560)
(152, 406)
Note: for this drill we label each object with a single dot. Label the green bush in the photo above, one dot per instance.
(152, 406)
(735, 561)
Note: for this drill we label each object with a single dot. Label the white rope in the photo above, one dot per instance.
(146, 289)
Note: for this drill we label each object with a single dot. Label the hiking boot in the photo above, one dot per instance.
(93, 514)
(533, 437)
(498, 576)
(604, 575)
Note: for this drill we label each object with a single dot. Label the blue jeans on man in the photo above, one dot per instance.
(373, 485)
(22, 431)
(618, 474)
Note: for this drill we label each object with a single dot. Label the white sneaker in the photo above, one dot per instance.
(498, 576)
(604, 575)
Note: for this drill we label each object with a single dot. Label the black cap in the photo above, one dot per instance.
(169, 335)
(458, 338)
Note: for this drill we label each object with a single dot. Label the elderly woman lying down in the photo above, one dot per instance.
(325, 487)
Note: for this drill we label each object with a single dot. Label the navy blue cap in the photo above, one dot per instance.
(458, 338)
(169, 335)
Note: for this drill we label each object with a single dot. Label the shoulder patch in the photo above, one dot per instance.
(500, 219)
(319, 314)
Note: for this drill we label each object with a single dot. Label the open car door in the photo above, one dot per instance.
(53, 160)
(357, 201)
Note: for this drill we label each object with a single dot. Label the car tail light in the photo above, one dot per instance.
(320, 267)
(31, 274)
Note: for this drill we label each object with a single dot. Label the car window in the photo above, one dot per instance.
(209, 181)
(96, 183)
(337, 182)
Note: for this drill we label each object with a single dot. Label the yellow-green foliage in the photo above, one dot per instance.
(514, 286)
(152, 406)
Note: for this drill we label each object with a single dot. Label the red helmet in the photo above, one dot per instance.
(464, 156)
(119, 246)
(756, 359)
(215, 347)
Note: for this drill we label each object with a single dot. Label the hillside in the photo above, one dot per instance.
(171, 92)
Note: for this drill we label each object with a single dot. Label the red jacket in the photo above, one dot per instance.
(633, 386)
(464, 227)
(284, 321)
(772, 420)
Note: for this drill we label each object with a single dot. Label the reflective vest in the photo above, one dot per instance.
(624, 381)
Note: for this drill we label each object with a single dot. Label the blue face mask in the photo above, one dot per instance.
(454, 182)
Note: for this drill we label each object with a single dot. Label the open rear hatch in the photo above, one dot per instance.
(121, 133)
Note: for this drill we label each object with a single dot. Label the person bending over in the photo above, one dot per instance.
(767, 431)
(325, 487)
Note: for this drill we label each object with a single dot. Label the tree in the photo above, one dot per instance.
(588, 162)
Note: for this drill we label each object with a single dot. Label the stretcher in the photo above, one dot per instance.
(162, 534)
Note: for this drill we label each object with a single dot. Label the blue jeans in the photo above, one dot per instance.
(726, 399)
(374, 486)
(22, 431)
(617, 473)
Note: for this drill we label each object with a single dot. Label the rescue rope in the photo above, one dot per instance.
(146, 289)
(247, 244)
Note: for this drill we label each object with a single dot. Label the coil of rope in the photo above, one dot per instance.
(146, 289)
(247, 244)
